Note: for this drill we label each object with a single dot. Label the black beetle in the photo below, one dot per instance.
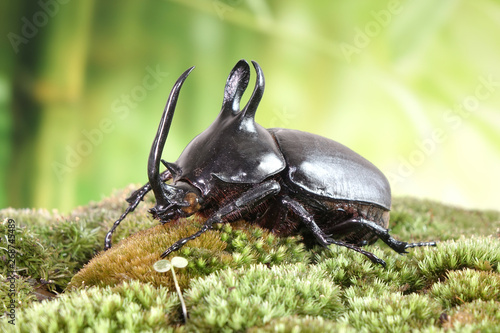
(284, 180)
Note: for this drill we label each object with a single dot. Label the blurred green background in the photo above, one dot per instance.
(414, 86)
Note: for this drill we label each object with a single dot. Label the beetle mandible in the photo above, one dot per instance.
(284, 180)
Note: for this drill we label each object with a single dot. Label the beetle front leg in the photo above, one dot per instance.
(134, 199)
(308, 220)
(230, 212)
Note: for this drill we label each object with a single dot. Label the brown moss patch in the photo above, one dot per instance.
(234, 246)
(133, 257)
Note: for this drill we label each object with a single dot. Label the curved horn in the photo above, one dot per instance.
(236, 84)
(253, 102)
(159, 141)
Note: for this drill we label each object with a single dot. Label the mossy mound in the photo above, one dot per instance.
(241, 278)
(227, 246)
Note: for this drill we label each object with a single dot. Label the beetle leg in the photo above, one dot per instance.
(308, 220)
(384, 235)
(134, 199)
(241, 206)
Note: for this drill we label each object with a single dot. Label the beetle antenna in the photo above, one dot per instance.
(253, 103)
(236, 84)
(159, 141)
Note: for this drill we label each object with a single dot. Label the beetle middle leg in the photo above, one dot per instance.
(233, 210)
(308, 220)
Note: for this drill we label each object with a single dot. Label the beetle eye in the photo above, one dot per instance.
(193, 203)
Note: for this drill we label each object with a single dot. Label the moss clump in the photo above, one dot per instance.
(476, 316)
(232, 300)
(347, 268)
(416, 270)
(466, 286)
(391, 312)
(131, 307)
(23, 291)
(33, 254)
(480, 253)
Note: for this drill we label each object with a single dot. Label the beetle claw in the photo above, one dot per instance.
(379, 261)
(171, 249)
(410, 245)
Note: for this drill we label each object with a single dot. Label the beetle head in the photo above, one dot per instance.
(183, 199)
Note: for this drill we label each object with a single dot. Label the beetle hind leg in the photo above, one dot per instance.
(383, 234)
(370, 255)
(308, 220)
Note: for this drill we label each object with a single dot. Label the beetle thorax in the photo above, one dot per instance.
(230, 150)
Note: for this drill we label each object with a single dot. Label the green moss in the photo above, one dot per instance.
(232, 300)
(425, 219)
(23, 291)
(51, 248)
(480, 253)
(466, 286)
(31, 252)
(132, 307)
(392, 312)
(241, 277)
(347, 268)
(302, 324)
(476, 316)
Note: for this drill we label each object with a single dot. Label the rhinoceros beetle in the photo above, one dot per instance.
(284, 180)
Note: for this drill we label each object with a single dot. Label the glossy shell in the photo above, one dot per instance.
(329, 169)
(230, 153)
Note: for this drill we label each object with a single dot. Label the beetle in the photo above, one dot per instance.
(285, 180)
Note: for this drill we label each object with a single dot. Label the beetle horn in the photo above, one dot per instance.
(236, 84)
(253, 102)
(172, 168)
(159, 141)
